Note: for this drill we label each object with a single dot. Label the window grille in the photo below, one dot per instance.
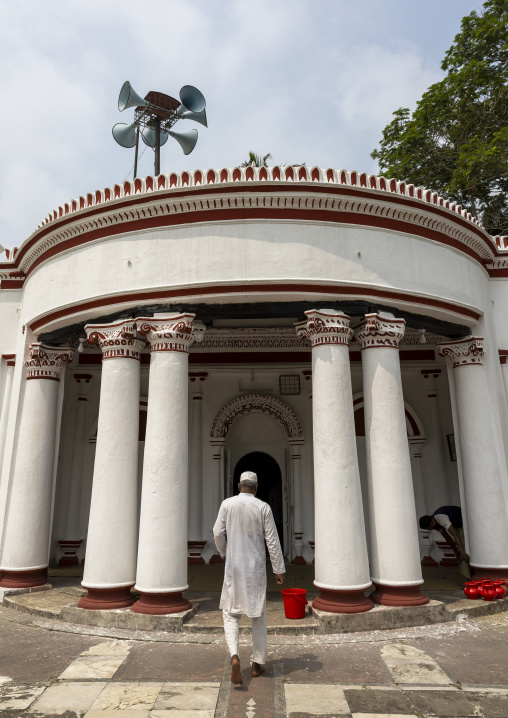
(289, 384)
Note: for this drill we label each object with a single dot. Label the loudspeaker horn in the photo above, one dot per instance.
(186, 140)
(129, 98)
(125, 135)
(192, 99)
(148, 137)
(196, 116)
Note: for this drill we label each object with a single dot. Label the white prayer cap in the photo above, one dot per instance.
(248, 478)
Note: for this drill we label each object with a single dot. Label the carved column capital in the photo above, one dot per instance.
(463, 352)
(173, 332)
(325, 326)
(378, 331)
(46, 362)
(116, 340)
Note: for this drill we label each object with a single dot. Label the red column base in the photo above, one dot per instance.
(342, 601)
(428, 561)
(479, 573)
(105, 599)
(398, 596)
(157, 604)
(24, 579)
(216, 559)
(299, 561)
(70, 549)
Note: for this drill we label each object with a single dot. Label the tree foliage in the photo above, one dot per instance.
(456, 141)
(256, 160)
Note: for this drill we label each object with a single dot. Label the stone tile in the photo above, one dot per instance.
(92, 667)
(183, 696)
(377, 701)
(442, 703)
(18, 696)
(127, 696)
(114, 714)
(408, 664)
(111, 648)
(183, 714)
(491, 705)
(383, 715)
(308, 698)
(168, 662)
(67, 696)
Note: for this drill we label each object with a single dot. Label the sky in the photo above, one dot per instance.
(312, 81)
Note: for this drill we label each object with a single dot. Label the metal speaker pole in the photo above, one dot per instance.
(192, 99)
(157, 163)
(136, 153)
(196, 116)
(148, 137)
(125, 135)
(186, 140)
(129, 98)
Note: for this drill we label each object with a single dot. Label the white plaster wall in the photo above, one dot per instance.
(271, 251)
(10, 314)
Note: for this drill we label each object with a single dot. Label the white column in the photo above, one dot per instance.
(195, 543)
(394, 547)
(162, 554)
(483, 474)
(110, 561)
(296, 473)
(28, 524)
(72, 538)
(217, 478)
(342, 568)
(504, 371)
(438, 492)
(10, 361)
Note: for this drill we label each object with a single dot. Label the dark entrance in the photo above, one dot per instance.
(269, 484)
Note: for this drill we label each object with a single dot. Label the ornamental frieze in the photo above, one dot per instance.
(256, 403)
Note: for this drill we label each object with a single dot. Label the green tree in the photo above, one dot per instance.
(456, 141)
(256, 160)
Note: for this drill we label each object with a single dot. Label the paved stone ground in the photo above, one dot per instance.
(48, 668)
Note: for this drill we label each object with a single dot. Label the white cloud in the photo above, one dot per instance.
(306, 81)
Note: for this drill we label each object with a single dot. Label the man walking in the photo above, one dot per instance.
(448, 521)
(243, 526)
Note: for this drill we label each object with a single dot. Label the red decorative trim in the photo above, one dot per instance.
(162, 295)
(12, 283)
(299, 561)
(157, 604)
(216, 559)
(262, 212)
(198, 375)
(398, 596)
(42, 374)
(9, 358)
(105, 599)
(342, 601)
(69, 548)
(23, 579)
(194, 549)
(428, 561)
(83, 377)
(430, 372)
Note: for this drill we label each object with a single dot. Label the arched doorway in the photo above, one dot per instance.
(269, 483)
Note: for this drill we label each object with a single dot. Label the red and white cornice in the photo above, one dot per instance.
(320, 195)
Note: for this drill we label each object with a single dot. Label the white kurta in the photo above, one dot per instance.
(243, 526)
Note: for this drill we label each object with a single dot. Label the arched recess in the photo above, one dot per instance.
(245, 406)
(258, 403)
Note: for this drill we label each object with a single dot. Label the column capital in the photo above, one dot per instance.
(378, 331)
(462, 352)
(172, 332)
(46, 362)
(116, 340)
(325, 326)
(9, 359)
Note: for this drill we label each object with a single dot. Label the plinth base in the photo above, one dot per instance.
(491, 573)
(105, 599)
(158, 604)
(398, 596)
(24, 579)
(195, 560)
(429, 561)
(299, 561)
(342, 601)
(69, 561)
(216, 559)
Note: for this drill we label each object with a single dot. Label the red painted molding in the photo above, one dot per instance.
(301, 288)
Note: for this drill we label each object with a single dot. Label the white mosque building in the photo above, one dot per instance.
(341, 334)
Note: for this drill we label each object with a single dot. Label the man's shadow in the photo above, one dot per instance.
(307, 662)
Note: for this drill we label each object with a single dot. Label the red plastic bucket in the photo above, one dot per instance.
(295, 600)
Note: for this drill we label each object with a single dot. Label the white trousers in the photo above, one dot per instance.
(232, 632)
